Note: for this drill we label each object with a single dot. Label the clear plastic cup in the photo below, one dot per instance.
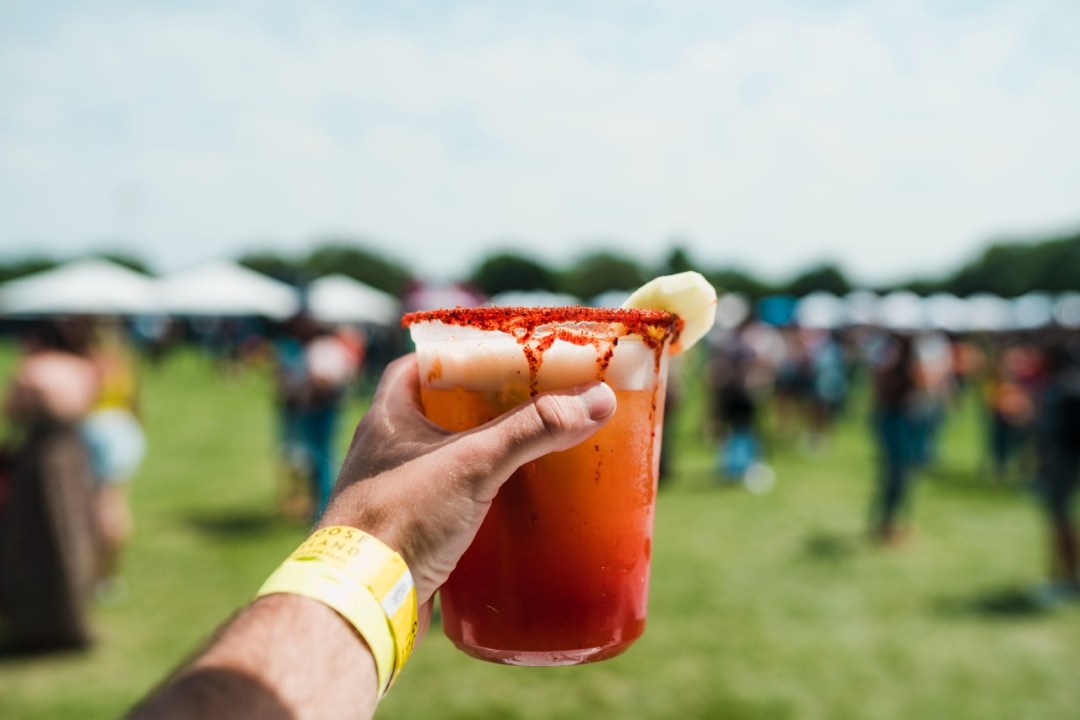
(559, 571)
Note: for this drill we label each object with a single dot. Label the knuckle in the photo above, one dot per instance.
(554, 416)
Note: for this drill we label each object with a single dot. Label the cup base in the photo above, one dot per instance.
(544, 658)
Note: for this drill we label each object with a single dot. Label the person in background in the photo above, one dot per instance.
(1010, 390)
(673, 394)
(830, 384)
(936, 389)
(894, 387)
(355, 344)
(793, 387)
(733, 405)
(49, 558)
(330, 367)
(740, 379)
(315, 367)
(1057, 437)
(968, 360)
(117, 445)
(290, 381)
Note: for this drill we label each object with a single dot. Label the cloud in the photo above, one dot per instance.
(893, 136)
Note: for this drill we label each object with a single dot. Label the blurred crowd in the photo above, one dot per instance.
(1026, 383)
(73, 440)
(74, 436)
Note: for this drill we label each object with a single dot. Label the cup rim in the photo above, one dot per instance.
(518, 321)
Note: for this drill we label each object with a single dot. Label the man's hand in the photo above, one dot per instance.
(423, 490)
(418, 488)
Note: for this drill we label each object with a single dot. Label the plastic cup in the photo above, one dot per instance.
(559, 572)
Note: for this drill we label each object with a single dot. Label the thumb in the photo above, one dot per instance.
(547, 423)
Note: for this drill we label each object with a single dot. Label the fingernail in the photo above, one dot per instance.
(599, 401)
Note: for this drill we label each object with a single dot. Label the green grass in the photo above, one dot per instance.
(761, 607)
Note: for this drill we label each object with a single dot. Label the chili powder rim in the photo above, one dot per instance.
(518, 321)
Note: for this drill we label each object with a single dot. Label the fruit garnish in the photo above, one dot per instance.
(688, 295)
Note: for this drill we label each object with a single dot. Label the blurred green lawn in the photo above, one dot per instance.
(761, 607)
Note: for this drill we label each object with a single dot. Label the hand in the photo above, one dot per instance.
(423, 490)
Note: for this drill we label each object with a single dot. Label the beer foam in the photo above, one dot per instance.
(453, 356)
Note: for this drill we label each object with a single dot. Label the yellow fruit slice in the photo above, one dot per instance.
(686, 294)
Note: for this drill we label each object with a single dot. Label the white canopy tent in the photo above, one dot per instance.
(731, 310)
(1033, 310)
(225, 289)
(944, 311)
(342, 299)
(901, 310)
(82, 287)
(861, 307)
(1067, 310)
(989, 313)
(821, 311)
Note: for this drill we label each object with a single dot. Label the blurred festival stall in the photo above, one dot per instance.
(82, 287)
(732, 309)
(946, 312)
(822, 311)
(1067, 310)
(904, 311)
(225, 289)
(341, 299)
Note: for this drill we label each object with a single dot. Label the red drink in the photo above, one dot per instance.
(559, 571)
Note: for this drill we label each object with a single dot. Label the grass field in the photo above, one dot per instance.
(762, 606)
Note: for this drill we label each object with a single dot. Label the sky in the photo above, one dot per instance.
(896, 138)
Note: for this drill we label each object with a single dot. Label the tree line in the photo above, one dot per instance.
(1007, 268)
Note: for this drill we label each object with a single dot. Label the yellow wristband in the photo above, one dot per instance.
(349, 599)
(377, 567)
(366, 582)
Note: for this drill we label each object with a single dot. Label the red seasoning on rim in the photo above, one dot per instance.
(653, 326)
(536, 329)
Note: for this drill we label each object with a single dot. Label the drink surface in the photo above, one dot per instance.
(559, 571)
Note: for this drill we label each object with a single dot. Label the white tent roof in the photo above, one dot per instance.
(731, 310)
(901, 310)
(224, 288)
(1067, 310)
(861, 307)
(1032, 310)
(946, 312)
(342, 299)
(821, 310)
(989, 313)
(86, 287)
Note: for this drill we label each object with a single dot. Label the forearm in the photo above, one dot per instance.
(285, 656)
